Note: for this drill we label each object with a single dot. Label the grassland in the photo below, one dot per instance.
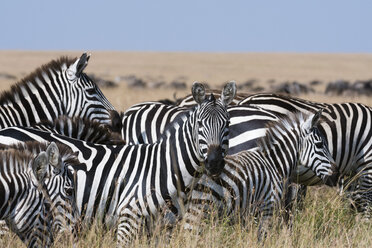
(326, 219)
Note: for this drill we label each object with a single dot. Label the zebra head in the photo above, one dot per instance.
(22, 203)
(211, 126)
(56, 182)
(314, 152)
(82, 97)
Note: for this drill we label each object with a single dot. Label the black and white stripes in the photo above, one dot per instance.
(347, 131)
(131, 183)
(255, 181)
(36, 193)
(57, 88)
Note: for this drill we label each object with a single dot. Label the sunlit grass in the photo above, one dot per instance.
(326, 220)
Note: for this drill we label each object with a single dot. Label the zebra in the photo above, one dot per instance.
(346, 128)
(255, 181)
(77, 128)
(128, 185)
(57, 88)
(34, 190)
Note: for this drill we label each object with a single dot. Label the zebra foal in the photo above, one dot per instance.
(347, 130)
(35, 191)
(256, 181)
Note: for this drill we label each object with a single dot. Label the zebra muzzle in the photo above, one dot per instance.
(332, 180)
(215, 162)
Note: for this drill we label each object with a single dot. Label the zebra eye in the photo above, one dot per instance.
(91, 91)
(69, 191)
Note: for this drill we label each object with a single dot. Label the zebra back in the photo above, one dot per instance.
(144, 123)
(82, 129)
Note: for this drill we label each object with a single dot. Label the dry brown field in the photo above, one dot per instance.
(213, 68)
(326, 220)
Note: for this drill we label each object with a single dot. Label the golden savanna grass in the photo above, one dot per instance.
(325, 220)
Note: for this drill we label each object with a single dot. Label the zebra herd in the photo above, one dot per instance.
(68, 157)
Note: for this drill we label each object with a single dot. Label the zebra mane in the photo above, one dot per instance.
(18, 158)
(178, 121)
(83, 129)
(54, 65)
(277, 130)
(30, 149)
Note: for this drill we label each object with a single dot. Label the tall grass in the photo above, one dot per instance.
(326, 220)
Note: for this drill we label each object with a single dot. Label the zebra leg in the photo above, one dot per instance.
(265, 223)
(294, 196)
(361, 194)
(129, 225)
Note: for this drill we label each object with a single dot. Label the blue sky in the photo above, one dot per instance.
(204, 25)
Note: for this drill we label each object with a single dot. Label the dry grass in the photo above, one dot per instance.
(325, 221)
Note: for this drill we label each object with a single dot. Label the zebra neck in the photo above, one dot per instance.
(32, 101)
(183, 157)
(283, 156)
(15, 186)
(15, 202)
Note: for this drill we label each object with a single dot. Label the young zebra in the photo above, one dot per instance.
(126, 185)
(347, 131)
(255, 182)
(35, 191)
(57, 88)
(77, 128)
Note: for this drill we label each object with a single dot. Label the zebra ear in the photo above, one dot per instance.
(53, 155)
(316, 118)
(198, 92)
(228, 93)
(39, 166)
(78, 67)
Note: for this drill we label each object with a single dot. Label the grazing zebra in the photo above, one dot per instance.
(125, 185)
(255, 182)
(77, 128)
(347, 130)
(35, 191)
(57, 88)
